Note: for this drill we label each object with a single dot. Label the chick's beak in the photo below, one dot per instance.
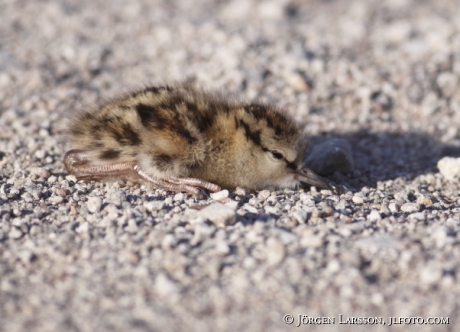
(309, 177)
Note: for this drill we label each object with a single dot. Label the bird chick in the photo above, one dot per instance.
(182, 138)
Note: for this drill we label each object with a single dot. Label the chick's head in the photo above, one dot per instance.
(275, 150)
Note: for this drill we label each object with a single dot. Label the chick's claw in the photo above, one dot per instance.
(189, 185)
(198, 183)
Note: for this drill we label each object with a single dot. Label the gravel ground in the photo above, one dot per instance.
(86, 256)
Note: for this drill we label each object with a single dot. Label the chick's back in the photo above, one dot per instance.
(166, 128)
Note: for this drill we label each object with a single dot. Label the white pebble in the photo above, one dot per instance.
(357, 199)
(275, 251)
(56, 199)
(250, 208)
(179, 197)
(264, 194)
(441, 236)
(83, 228)
(430, 274)
(410, 207)
(232, 204)
(40, 154)
(272, 209)
(168, 242)
(15, 233)
(52, 179)
(132, 227)
(79, 188)
(417, 216)
(116, 196)
(71, 178)
(394, 208)
(222, 248)
(240, 191)
(26, 256)
(449, 167)
(220, 195)
(300, 216)
(94, 204)
(333, 266)
(154, 205)
(40, 172)
(164, 286)
(447, 82)
(219, 214)
(377, 242)
(311, 241)
(374, 216)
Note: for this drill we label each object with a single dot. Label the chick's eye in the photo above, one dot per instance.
(277, 155)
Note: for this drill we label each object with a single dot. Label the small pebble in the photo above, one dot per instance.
(410, 207)
(240, 191)
(401, 196)
(26, 256)
(56, 199)
(40, 154)
(221, 196)
(430, 274)
(301, 216)
(394, 208)
(311, 241)
(179, 197)
(94, 204)
(250, 208)
(219, 214)
(264, 194)
(449, 167)
(424, 200)
(384, 209)
(116, 196)
(374, 216)
(442, 236)
(71, 177)
(15, 233)
(377, 242)
(83, 228)
(165, 286)
(154, 205)
(357, 199)
(40, 172)
(79, 188)
(275, 251)
(52, 179)
(272, 209)
(232, 204)
(419, 216)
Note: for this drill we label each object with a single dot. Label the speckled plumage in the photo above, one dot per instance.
(179, 131)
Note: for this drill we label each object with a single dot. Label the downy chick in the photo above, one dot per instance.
(181, 138)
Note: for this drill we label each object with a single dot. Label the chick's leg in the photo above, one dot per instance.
(195, 183)
(77, 162)
(189, 185)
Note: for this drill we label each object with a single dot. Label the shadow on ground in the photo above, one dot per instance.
(386, 156)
